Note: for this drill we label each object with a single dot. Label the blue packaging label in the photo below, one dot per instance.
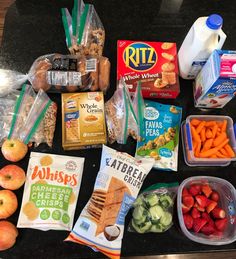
(125, 206)
(161, 135)
(71, 116)
(195, 69)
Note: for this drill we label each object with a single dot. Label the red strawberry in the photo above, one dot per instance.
(188, 221)
(218, 233)
(185, 209)
(206, 216)
(218, 213)
(195, 213)
(206, 189)
(196, 205)
(208, 229)
(198, 224)
(210, 205)
(201, 200)
(221, 224)
(195, 189)
(215, 196)
(185, 192)
(188, 201)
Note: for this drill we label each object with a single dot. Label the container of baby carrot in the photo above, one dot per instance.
(208, 140)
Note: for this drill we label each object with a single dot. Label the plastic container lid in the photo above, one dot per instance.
(214, 21)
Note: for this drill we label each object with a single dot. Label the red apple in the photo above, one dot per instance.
(8, 234)
(12, 177)
(14, 150)
(8, 203)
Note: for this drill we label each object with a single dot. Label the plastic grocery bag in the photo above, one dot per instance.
(7, 105)
(10, 80)
(153, 209)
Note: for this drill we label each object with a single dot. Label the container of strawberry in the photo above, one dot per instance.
(207, 210)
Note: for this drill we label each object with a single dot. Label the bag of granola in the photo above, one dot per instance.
(101, 222)
(88, 31)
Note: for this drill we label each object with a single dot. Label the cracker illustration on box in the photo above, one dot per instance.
(51, 192)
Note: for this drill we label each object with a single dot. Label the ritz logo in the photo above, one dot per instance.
(139, 56)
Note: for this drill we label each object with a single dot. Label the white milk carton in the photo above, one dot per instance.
(215, 85)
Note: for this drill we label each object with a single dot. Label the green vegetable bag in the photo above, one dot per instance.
(153, 209)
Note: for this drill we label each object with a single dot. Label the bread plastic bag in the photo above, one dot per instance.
(35, 116)
(153, 209)
(101, 223)
(10, 80)
(117, 116)
(7, 105)
(69, 73)
(21, 110)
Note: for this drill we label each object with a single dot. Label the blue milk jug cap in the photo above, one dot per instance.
(214, 21)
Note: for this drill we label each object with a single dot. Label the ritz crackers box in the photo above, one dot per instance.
(153, 63)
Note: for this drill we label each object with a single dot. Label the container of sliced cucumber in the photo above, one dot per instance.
(153, 209)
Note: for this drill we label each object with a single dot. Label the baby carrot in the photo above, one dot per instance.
(200, 127)
(219, 123)
(214, 130)
(210, 123)
(194, 145)
(223, 152)
(208, 133)
(218, 134)
(207, 145)
(213, 156)
(214, 150)
(219, 155)
(196, 137)
(203, 134)
(198, 149)
(195, 122)
(219, 139)
(229, 150)
(224, 126)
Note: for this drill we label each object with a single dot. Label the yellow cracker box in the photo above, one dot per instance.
(83, 120)
(51, 192)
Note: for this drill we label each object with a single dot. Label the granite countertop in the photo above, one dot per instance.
(34, 28)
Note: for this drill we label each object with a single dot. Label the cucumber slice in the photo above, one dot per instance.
(151, 199)
(166, 219)
(139, 213)
(166, 201)
(138, 201)
(156, 212)
(141, 220)
(142, 228)
(158, 228)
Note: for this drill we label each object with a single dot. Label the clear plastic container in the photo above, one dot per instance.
(227, 202)
(189, 157)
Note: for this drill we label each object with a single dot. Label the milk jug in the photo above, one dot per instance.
(202, 39)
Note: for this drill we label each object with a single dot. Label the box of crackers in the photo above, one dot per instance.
(83, 120)
(153, 63)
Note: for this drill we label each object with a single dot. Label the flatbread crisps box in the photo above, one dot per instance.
(83, 120)
(153, 63)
